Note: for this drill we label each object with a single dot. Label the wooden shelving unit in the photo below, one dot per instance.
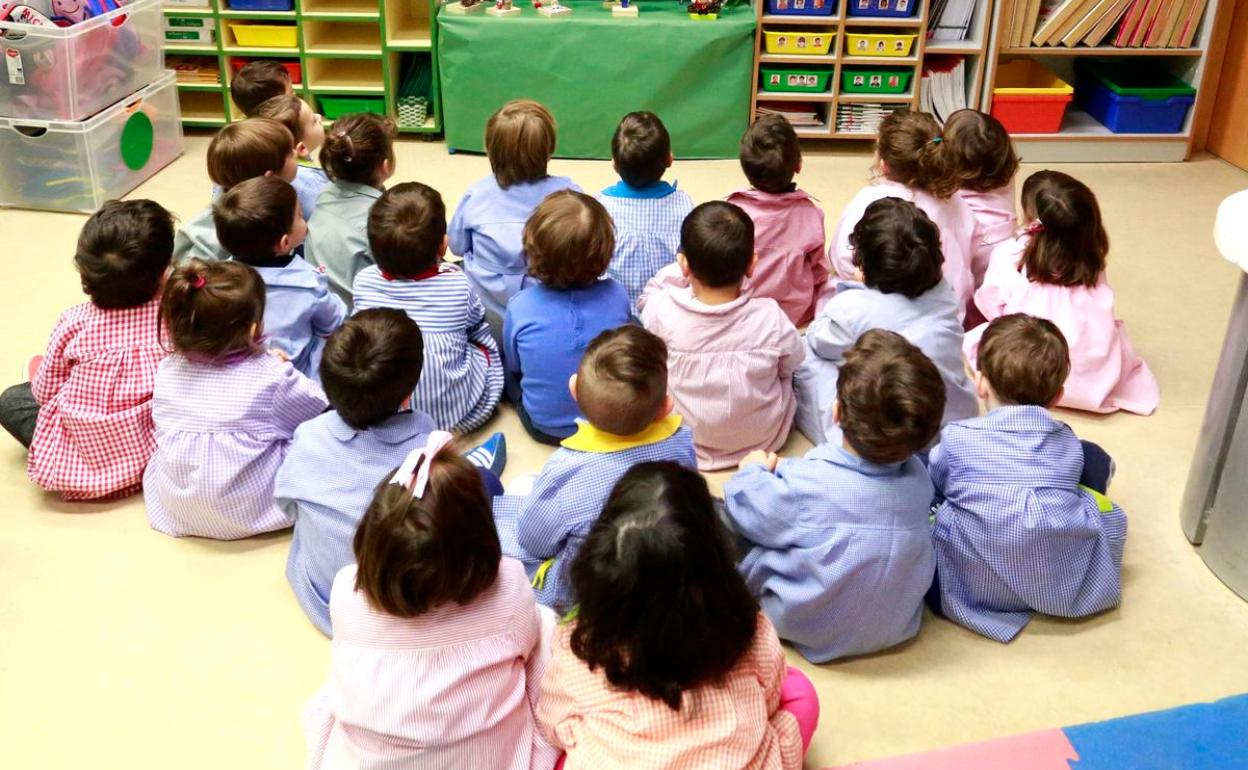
(345, 48)
(1081, 137)
(974, 49)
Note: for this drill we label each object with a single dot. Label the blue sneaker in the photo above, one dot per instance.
(492, 455)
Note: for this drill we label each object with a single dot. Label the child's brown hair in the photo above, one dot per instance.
(285, 109)
(123, 252)
(248, 149)
(1068, 242)
(891, 397)
(418, 553)
(771, 154)
(253, 215)
(1025, 359)
(519, 141)
(641, 149)
(256, 83)
(897, 247)
(356, 147)
(717, 239)
(911, 146)
(213, 310)
(980, 151)
(569, 240)
(371, 365)
(405, 229)
(621, 384)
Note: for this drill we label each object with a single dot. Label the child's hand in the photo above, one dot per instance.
(280, 355)
(758, 457)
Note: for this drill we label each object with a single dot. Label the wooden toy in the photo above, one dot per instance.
(554, 10)
(463, 7)
(503, 9)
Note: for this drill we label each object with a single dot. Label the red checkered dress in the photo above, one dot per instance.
(95, 434)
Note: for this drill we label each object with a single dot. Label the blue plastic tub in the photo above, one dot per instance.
(883, 9)
(1133, 99)
(261, 5)
(801, 7)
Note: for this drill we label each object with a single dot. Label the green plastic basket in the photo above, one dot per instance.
(334, 107)
(875, 80)
(795, 80)
(1143, 81)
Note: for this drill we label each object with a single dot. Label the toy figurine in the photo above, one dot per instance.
(503, 8)
(554, 10)
(624, 10)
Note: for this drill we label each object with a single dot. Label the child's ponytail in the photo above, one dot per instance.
(213, 310)
(356, 146)
(912, 149)
(1068, 241)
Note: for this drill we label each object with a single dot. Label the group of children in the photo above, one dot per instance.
(301, 353)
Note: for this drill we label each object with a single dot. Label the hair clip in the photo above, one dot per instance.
(198, 282)
(1034, 228)
(936, 139)
(414, 478)
(350, 145)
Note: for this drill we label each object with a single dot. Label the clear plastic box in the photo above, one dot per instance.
(77, 165)
(71, 73)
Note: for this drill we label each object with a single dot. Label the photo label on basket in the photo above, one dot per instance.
(136, 141)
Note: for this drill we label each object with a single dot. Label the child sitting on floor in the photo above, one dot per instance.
(240, 151)
(488, 224)
(788, 225)
(647, 211)
(621, 387)
(463, 374)
(305, 126)
(1056, 270)
(358, 157)
(224, 408)
(731, 353)
(370, 368)
(667, 661)
(258, 81)
(569, 243)
(983, 159)
(1023, 525)
(896, 248)
(438, 645)
(840, 549)
(86, 414)
(259, 223)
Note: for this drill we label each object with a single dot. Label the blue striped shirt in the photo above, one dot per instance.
(300, 312)
(647, 232)
(463, 375)
(1015, 534)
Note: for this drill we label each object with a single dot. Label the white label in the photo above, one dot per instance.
(13, 61)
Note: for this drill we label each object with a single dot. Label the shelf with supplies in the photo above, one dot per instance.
(372, 54)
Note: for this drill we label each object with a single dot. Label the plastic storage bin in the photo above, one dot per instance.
(336, 106)
(859, 80)
(799, 41)
(77, 165)
(883, 9)
(1029, 98)
(260, 5)
(791, 80)
(1136, 99)
(69, 73)
(802, 7)
(250, 35)
(878, 44)
(296, 71)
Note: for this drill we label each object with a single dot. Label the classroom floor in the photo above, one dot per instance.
(123, 648)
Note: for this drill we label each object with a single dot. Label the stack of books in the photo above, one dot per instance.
(798, 113)
(862, 117)
(942, 91)
(1122, 23)
(200, 70)
(950, 19)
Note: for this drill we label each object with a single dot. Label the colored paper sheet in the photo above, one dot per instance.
(1204, 736)
(1046, 750)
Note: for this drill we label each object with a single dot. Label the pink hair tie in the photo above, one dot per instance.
(413, 474)
(199, 282)
(1034, 228)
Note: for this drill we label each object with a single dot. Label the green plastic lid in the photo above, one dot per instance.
(1141, 80)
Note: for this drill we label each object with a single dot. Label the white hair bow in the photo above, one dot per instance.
(414, 474)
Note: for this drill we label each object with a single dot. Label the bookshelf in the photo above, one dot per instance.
(974, 48)
(1083, 139)
(355, 49)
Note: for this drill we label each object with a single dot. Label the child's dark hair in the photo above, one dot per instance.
(897, 248)
(256, 83)
(641, 149)
(911, 145)
(356, 146)
(771, 154)
(980, 151)
(1068, 240)
(569, 240)
(621, 384)
(285, 109)
(717, 239)
(519, 142)
(1025, 359)
(891, 395)
(418, 553)
(248, 149)
(662, 608)
(213, 310)
(405, 229)
(123, 252)
(253, 215)
(371, 364)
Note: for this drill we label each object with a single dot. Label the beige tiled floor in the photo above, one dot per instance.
(122, 648)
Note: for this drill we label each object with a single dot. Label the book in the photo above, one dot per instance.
(1085, 25)
(1157, 28)
(1039, 12)
(942, 90)
(1146, 23)
(1107, 22)
(1071, 20)
(1191, 25)
(1057, 19)
(1177, 9)
(1129, 22)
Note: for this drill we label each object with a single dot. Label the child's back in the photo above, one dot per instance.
(983, 160)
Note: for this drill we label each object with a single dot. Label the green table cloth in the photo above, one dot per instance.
(591, 69)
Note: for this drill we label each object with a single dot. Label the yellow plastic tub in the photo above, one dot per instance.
(799, 41)
(1028, 77)
(878, 44)
(265, 35)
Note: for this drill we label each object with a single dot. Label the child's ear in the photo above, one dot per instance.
(572, 388)
(302, 150)
(446, 244)
(836, 412)
(982, 388)
(683, 261)
(670, 160)
(798, 170)
(749, 269)
(1060, 392)
(283, 245)
(669, 404)
(255, 331)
